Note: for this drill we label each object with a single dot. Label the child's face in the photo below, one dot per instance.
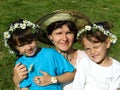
(97, 52)
(28, 49)
(62, 38)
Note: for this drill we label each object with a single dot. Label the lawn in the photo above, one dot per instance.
(10, 10)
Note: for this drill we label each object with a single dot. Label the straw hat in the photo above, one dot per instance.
(78, 18)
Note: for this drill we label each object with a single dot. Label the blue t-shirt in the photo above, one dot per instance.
(47, 60)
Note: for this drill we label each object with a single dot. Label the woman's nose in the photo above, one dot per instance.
(64, 37)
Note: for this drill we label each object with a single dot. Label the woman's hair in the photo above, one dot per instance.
(96, 35)
(21, 33)
(72, 27)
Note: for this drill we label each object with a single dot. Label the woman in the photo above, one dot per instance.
(62, 27)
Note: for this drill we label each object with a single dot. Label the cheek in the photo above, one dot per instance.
(56, 39)
(20, 50)
(71, 38)
(88, 53)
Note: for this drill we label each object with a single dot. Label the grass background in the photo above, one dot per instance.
(10, 10)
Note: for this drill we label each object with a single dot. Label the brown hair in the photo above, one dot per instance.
(21, 36)
(95, 35)
(72, 27)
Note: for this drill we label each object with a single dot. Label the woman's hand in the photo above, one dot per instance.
(20, 73)
(43, 80)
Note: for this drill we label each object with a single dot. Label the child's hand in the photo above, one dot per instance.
(43, 80)
(20, 72)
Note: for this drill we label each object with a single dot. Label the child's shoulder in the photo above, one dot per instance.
(20, 59)
(49, 50)
(116, 62)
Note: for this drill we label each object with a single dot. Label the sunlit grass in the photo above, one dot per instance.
(10, 10)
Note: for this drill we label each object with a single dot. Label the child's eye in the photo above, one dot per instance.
(20, 45)
(87, 49)
(96, 47)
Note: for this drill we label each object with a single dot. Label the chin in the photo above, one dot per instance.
(64, 50)
(95, 60)
(98, 61)
(31, 54)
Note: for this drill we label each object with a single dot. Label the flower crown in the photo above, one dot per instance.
(22, 25)
(113, 37)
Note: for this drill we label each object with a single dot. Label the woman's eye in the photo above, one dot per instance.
(69, 32)
(59, 33)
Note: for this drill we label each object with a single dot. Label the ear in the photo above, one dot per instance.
(50, 38)
(108, 43)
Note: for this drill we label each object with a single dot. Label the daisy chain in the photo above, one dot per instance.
(22, 25)
(113, 37)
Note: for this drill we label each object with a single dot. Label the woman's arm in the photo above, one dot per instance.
(25, 89)
(21, 88)
(20, 72)
(46, 79)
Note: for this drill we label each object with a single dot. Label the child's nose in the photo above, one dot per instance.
(28, 47)
(92, 51)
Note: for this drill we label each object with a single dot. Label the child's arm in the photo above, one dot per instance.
(46, 79)
(66, 77)
(17, 88)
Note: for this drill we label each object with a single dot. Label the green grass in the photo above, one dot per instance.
(10, 10)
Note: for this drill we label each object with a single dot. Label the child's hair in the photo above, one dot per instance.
(72, 27)
(98, 32)
(20, 32)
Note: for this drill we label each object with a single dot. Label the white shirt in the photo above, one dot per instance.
(91, 76)
(80, 55)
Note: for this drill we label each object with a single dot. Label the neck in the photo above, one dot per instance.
(68, 54)
(106, 62)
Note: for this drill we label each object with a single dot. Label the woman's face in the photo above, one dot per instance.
(28, 49)
(62, 38)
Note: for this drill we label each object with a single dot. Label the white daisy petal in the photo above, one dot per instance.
(100, 28)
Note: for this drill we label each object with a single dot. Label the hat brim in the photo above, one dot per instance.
(78, 18)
